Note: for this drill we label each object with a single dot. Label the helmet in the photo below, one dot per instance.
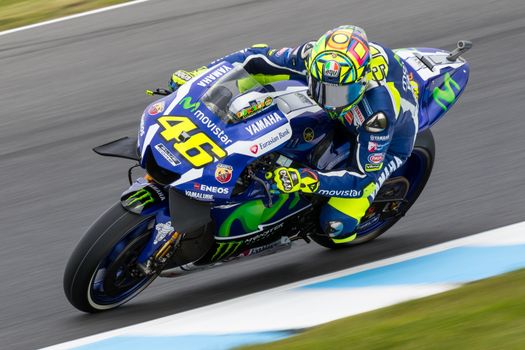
(337, 68)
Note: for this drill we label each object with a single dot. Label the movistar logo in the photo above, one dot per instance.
(446, 95)
(142, 197)
(187, 104)
(225, 249)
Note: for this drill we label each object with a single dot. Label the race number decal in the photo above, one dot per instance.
(197, 148)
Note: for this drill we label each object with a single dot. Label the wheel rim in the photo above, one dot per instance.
(116, 279)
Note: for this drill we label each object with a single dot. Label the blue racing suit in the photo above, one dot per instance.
(384, 122)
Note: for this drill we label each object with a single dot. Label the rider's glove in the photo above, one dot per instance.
(290, 180)
(180, 77)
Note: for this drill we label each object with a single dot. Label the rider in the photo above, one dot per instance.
(367, 88)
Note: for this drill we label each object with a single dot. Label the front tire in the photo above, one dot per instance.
(100, 274)
(423, 154)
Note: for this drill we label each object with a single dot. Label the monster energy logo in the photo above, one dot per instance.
(142, 197)
(225, 249)
(447, 94)
(186, 104)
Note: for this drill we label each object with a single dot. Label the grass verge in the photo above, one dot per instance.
(17, 13)
(488, 314)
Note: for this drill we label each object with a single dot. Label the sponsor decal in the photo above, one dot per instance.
(142, 196)
(254, 149)
(373, 167)
(212, 189)
(271, 52)
(358, 116)
(223, 173)
(273, 139)
(446, 96)
(385, 174)
(255, 107)
(209, 79)
(216, 130)
(225, 249)
(163, 229)
(376, 147)
(187, 104)
(340, 193)
(165, 152)
(156, 108)
(198, 195)
(349, 117)
(308, 134)
(332, 69)
(369, 222)
(282, 51)
(205, 120)
(263, 123)
(376, 158)
(379, 137)
(265, 234)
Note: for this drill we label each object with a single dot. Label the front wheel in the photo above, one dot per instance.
(416, 171)
(101, 273)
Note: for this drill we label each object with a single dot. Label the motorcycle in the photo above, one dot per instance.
(204, 200)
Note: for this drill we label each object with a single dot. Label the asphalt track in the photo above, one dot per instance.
(69, 86)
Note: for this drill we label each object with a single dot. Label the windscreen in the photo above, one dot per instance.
(236, 96)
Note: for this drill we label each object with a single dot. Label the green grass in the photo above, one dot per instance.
(488, 314)
(17, 13)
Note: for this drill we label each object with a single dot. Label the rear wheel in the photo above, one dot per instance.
(101, 273)
(383, 214)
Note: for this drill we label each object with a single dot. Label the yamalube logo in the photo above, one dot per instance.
(263, 123)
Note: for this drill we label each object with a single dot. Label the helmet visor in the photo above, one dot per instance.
(333, 96)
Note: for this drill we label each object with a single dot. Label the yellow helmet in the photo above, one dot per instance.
(337, 68)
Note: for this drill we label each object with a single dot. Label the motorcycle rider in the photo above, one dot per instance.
(366, 87)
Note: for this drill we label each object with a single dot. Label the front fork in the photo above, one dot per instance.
(149, 199)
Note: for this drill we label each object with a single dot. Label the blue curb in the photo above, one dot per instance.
(456, 265)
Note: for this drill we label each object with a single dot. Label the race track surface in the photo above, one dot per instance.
(69, 86)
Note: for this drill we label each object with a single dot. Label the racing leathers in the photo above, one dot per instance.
(384, 124)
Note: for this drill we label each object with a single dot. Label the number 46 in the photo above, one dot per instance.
(190, 147)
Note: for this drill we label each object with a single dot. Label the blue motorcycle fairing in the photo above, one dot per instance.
(439, 86)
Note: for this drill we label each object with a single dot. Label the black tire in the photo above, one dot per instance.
(94, 248)
(425, 148)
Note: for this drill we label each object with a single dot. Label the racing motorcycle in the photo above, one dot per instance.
(204, 201)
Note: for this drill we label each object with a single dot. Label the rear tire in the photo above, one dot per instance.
(424, 149)
(98, 274)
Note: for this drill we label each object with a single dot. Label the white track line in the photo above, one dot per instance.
(61, 19)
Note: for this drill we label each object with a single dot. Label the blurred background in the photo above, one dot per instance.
(70, 86)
